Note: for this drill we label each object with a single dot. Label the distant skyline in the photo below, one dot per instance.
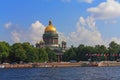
(88, 22)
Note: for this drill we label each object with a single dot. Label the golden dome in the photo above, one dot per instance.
(50, 27)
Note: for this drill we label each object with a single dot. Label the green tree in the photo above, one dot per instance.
(20, 54)
(83, 52)
(42, 55)
(4, 51)
(79, 52)
(113, 48)
(17, 53)
(89, 50)
(51, 55)
(31, 52)
(102, 50)
(69, 55)
(32, 55)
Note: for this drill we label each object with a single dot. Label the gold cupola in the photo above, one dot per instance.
(50, 28)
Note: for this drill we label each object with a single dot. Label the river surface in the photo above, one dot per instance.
(70, 73)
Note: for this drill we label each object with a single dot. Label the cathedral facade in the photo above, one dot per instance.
(51, 40)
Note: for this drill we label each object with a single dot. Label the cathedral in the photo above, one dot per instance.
(51, 40)
(50, 36)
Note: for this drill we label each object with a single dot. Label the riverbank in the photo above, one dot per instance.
(53, 64)
(108, 63)
(62, 64)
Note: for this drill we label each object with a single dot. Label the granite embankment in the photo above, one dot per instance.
(54, 64)
(108, 63)
(62, 64)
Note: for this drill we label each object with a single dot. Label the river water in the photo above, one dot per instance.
(70, 73)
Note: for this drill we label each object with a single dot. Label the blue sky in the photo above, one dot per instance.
(88, 22)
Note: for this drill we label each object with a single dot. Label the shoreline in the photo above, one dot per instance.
(62, 64)
(53, 64)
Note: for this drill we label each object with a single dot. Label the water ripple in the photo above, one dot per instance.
(71, 73)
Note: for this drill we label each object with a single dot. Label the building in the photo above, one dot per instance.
(50, 36)
(51, 40)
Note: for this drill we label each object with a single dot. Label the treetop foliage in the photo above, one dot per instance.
(27, 53)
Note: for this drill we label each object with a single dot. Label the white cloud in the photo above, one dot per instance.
(8, 25)
(106, 10)
(87, 1)
(15, 36)
(36, 31)
(32, 35)
(86, 33)
(62, 37)
(117, 40)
